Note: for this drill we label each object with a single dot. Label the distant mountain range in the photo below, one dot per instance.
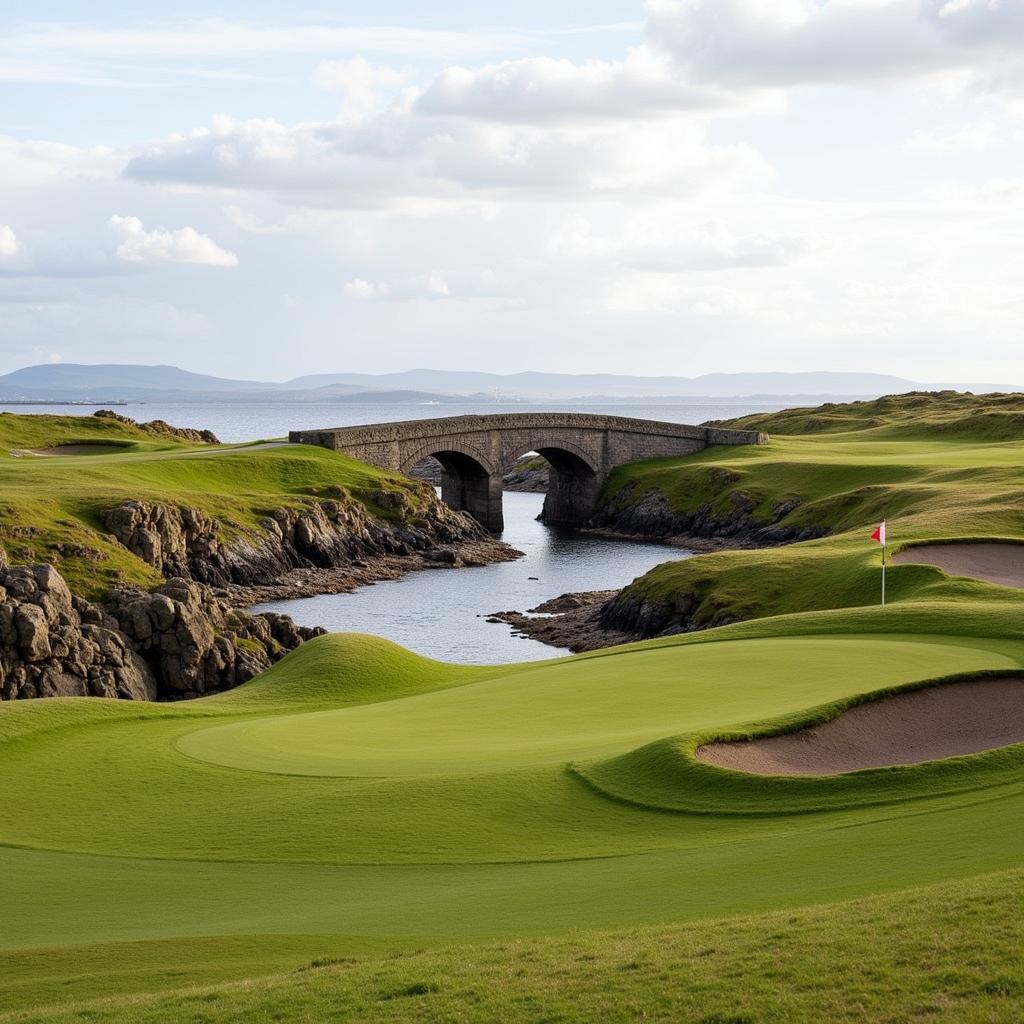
(77, 382)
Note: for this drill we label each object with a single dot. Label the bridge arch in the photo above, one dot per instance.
(470, 481)
(475, 450)
(574, 479)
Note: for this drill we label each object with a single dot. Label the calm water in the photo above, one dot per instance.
(248, 421)
(441, 612)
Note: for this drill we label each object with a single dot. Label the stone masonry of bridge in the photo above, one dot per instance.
(475, 452)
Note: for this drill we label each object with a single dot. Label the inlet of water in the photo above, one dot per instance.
(442, 612)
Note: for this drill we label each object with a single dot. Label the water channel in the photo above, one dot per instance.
(442, 612)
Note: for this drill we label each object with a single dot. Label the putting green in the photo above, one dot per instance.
(581, 709)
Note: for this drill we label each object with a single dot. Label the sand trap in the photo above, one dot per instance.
(80, 449)
(996, 563)
(924, 725)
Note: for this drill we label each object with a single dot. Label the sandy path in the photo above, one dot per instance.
(996, 563)
(924, 725)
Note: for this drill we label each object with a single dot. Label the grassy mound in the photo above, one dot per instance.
(50, 507)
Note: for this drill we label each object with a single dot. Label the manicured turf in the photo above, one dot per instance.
(364, 834)
(468, 804)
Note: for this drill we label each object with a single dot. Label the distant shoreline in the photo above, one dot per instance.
(39, 401)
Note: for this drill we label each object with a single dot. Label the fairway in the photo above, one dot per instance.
(473, 804)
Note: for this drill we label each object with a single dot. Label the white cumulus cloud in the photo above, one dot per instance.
(398, 155)
(182, 245)
(540, 89)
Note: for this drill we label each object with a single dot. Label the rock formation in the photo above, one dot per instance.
(160, 428)
(182, 640)
(734, 525)
(317, 534)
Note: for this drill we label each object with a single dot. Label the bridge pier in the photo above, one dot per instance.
(479, 494)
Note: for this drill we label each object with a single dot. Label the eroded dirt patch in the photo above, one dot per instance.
(923, 725)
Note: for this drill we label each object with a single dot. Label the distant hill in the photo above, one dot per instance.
(127, 382)
(107, 376)
(538, 385)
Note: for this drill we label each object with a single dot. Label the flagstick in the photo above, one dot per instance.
(883, 575)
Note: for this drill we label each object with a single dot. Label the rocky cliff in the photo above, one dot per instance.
(317, 534)
(185, 638)
(179, 641)
(734, 525)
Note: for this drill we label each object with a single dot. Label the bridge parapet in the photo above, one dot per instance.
(476, 451)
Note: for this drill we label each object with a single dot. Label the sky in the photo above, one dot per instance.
(264, 189)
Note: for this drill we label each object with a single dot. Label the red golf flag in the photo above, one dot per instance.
(879, 533)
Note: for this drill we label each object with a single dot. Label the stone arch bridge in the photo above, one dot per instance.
(475, 452)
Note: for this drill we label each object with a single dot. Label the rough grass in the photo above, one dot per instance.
(949, 952)
(50, 507)
(932, 466)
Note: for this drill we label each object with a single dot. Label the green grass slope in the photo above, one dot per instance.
(358, 800)
(950, 952)
(50, 506)
(935, 467)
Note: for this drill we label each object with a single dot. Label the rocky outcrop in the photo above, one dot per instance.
(639, 616)
(321, 533)
(180, 641)
(528, 476)
(55, 645)
(735, 525)
(161, 428)
(195, 643)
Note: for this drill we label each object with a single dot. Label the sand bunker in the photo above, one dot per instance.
(923, 725)
(995, 563)
(80, 449)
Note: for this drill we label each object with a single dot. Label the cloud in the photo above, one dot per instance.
(360, 81)
(183, 245)
(30, 163)
(710, 247)
(793, 42)
(9, 244)
(357, 288)
(448, 284)
(541, 89)
(394, 156)
(716, 247)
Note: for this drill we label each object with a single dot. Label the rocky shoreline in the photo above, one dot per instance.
(706, 527)
(571, 621)
(591, 620)
(341, 579)
(190, 636)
